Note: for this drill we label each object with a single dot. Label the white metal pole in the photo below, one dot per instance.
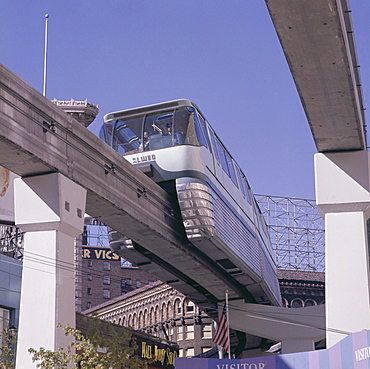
(45, 52)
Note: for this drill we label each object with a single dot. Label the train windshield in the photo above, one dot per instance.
(157, 130)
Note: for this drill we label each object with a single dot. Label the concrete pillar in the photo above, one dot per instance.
(50, 209)
(343, 198)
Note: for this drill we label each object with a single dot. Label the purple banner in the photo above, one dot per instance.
(256, 363)
(353, 352)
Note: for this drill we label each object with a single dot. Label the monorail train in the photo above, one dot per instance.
(174, 144)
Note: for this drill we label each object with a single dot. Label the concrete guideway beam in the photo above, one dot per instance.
(37, 137)
(343, 198)
(318, 43)
(296, 329)
(50, 209)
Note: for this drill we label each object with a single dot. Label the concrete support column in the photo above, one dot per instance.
(347, 280)
(50, 209)
(343, 198)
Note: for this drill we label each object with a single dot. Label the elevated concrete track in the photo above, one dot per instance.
(317, 39)
(318, 42)
(36, 137)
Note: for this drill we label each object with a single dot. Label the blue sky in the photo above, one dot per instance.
(222, 54)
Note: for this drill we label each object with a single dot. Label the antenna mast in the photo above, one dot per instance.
(45, 52)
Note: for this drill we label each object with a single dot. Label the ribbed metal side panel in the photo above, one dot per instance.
(206, 215)
(270, 275)
(237, 237)
(197, 209)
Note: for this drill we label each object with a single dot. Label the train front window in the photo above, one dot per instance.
(158, 130)
(127, 135)
(171, 128)
(105, 133)
(154, 131)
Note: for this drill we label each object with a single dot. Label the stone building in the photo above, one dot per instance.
(301, 288)
(160, 310)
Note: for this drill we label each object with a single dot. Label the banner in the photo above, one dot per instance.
(353, 352)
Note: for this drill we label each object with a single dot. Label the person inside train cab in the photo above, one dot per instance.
(168, 129)
(146, 140)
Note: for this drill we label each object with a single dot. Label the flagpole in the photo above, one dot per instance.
(45, 52)
(228, 321)
(222, 335)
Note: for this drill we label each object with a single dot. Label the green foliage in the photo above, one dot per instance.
(95, 350)
(7, 351)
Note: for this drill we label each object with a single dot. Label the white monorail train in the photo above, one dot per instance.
(173, 144)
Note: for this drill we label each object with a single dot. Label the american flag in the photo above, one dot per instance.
(222, 335)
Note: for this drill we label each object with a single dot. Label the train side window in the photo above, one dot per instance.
(231, 168)
(222, 156)
(242, 184)
(204, 129)
(247, 189)
(194, 119)
(183, 133)
(214, 146)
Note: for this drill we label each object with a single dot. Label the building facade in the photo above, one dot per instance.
(10, 276)
(160, 310)
(101, 275)
(300, 289)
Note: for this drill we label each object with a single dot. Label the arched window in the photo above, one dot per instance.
(310, 302)
(164, 312)
(169, 310)
(297, 303)
(119, 321)
(178, 307)
(285, 302)
(141, 320)
(146, 322)
(157, 314)
(134, 321)
(152, 317)
(124, 321)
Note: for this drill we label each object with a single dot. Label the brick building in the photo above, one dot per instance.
(102, 275)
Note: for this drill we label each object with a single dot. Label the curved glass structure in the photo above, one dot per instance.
(155, 130)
